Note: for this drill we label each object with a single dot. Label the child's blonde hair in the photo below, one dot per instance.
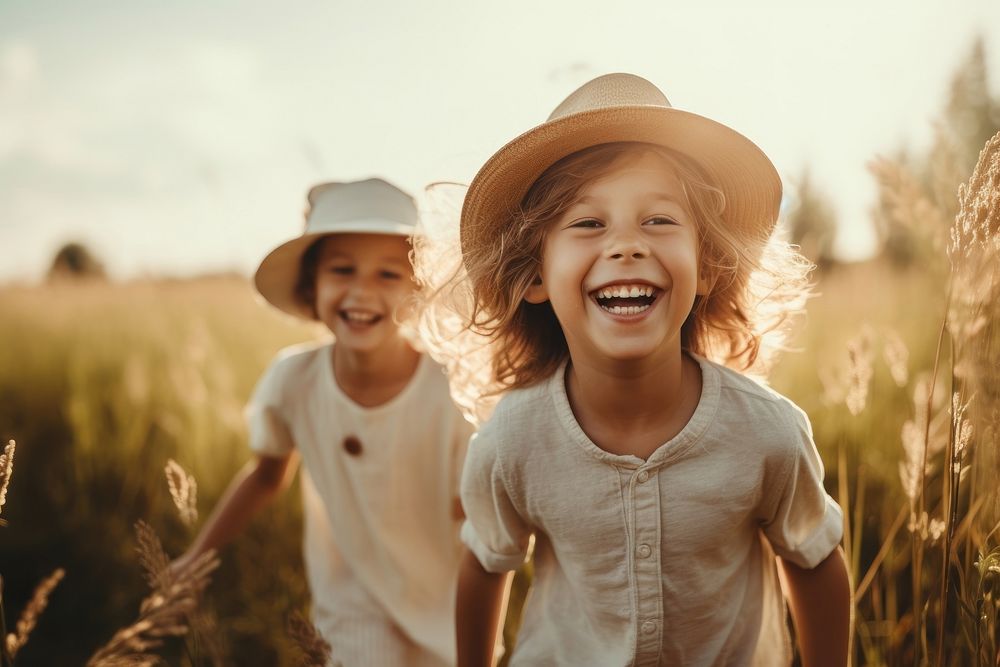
(757, 282)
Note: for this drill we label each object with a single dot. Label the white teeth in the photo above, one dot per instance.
(625, 310)
(355, 316)
(624, 291)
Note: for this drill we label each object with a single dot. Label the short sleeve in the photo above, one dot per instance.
(494, 530)
(805, 524)
(270, 434)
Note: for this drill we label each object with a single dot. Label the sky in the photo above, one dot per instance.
(181, 137)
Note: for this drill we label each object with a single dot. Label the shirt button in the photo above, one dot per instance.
(644, 551)
(352, 445)
(642, 476)
(648, 628)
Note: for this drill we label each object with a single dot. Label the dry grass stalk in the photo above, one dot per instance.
(883, 552)
(160, 577)
(928, 528)
(977, 225)
(897, 358)
(915, 435)
(31, 613)
(859, 352)
(154, 560)
(973, 252)
(165, 613)
(183, 491)
(962, 433)
(6, 470)
(206, 641)
(316, 650)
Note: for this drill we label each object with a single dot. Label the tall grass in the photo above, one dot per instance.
(918, 481)
(101, 385)
(166, 612)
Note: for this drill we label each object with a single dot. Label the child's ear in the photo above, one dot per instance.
(537, 293)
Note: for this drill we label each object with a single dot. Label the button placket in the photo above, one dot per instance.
(646, 565)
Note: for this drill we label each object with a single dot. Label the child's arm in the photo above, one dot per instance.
(251, 489)
(477, 612)
(820, 601)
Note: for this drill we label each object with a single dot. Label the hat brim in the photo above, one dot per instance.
(746, 176)
(278, 274)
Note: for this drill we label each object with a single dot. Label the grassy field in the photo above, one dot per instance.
(101, 384)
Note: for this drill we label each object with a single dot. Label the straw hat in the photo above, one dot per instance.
(372, 206)
(613, 108)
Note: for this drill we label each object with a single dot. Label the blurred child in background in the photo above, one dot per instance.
(380, 441)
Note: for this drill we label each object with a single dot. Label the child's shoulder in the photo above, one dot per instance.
(301, 353)
(749, 399)
(295, 360)
(509, 439)
(521, 415)
(526, 405)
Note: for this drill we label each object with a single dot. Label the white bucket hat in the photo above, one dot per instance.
(372, 206)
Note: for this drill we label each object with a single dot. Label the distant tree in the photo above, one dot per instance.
(917, 192)
(74, 261)
(812, 223)
(971, 116)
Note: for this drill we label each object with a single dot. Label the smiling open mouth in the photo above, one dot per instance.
(359, 316)
(625, 299)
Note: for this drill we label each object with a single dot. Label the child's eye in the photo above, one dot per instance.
(587, 223)
(342, 270)
(660, 220)
(390, 275)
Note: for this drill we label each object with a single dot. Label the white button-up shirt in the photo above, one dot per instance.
(378, 499)
(663, 561)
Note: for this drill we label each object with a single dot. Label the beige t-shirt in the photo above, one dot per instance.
(661, 562)
(379, 522)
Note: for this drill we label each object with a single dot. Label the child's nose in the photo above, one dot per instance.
(626, 245)
(361, 286)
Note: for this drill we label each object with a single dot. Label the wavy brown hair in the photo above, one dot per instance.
(757, 282)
